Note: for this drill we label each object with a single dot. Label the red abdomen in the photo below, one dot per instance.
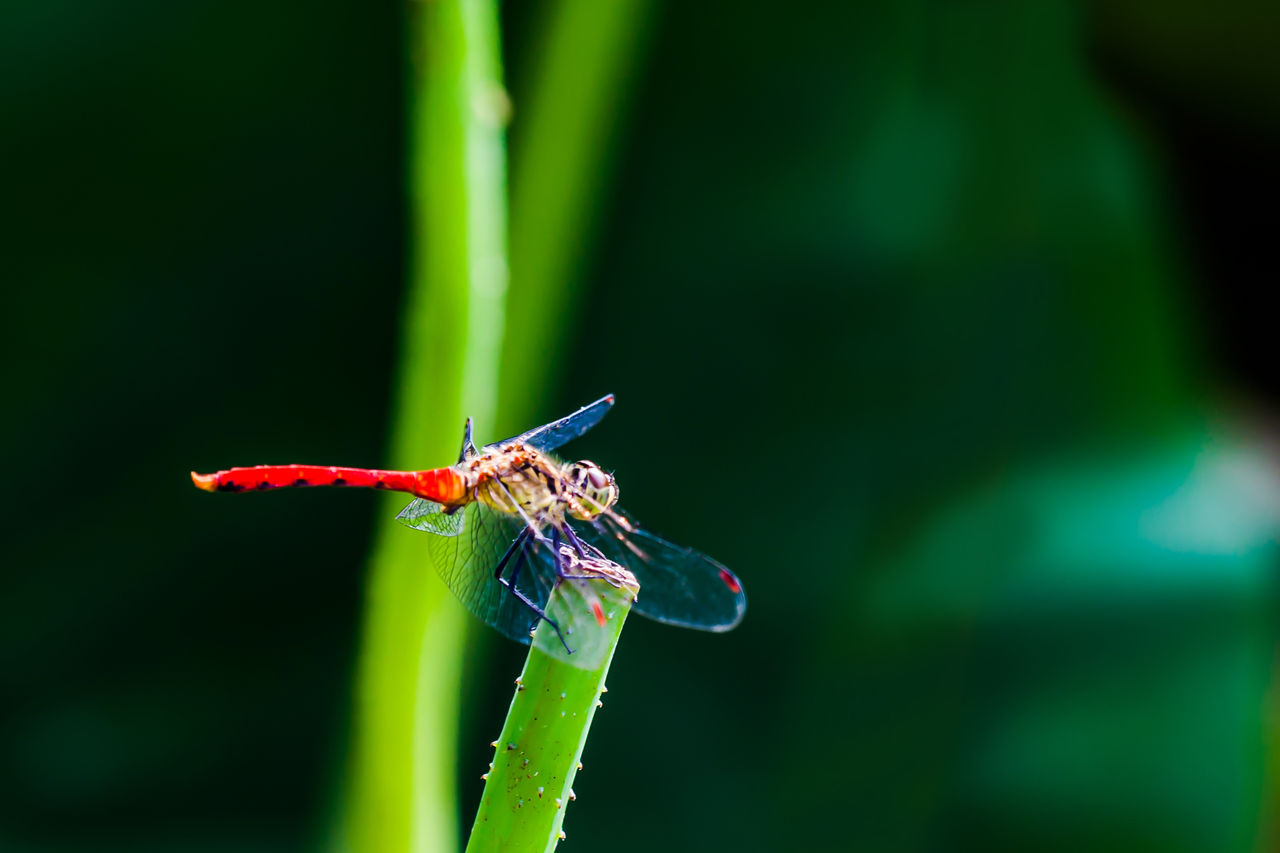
(442, 485)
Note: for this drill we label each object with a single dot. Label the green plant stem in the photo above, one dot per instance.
(537, 755)
(401, 791)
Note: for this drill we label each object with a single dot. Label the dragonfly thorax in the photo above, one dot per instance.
(519, 480)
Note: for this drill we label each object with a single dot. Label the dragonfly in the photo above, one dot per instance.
(510, 520)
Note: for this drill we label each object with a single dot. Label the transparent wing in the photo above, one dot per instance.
(466, 550)
(550, 436)
(678, 586)
(430, 516)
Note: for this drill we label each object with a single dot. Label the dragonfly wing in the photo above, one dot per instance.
(430, 516)
(468, 450)
(678, 586)
(548, 437)
(467, 561)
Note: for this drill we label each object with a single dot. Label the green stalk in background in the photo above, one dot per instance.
(529, 784)
(579, 85)
(402, 767)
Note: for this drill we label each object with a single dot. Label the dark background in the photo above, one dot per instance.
(938, 322)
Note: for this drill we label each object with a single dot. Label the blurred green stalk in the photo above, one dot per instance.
(579, 84)
(401, 791)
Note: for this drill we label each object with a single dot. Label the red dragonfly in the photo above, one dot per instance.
(510, 520)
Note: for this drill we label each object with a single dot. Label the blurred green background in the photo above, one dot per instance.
(935, 321)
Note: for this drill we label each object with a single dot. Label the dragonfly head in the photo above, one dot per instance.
(594, 490)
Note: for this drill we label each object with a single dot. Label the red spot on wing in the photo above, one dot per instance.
(730, 581)
(599, 612)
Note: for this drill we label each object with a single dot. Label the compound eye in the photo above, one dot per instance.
(597, 478)
(597, 490)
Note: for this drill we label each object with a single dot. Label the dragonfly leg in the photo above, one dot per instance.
(534, 531)
(521, 545)
(517, 543)
(560, 558)
(555, 549)
(586, 551)
(575, 541)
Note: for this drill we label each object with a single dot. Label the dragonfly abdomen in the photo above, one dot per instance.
(440, 484)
